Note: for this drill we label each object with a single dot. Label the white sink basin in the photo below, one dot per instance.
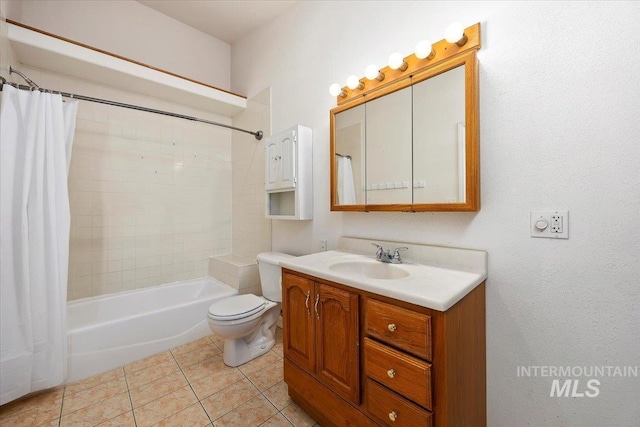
(370, 269)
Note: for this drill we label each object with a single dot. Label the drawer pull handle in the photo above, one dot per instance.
(392, 327)
(316, 307)
(391, 373)
(393, 416)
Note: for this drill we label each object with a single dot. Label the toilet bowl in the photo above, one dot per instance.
(248, 322)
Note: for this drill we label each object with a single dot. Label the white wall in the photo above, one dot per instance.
(559, 104)
(132, 30)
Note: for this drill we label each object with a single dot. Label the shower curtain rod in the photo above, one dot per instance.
(32, 86)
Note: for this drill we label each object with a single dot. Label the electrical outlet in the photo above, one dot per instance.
(323, 245)
(550, 224)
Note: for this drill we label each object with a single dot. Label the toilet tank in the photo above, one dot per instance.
(271, 274)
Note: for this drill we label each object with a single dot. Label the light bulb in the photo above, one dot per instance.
(353, 82)
(396, 62)
(372, 72)
(455, 34)
(424, 49)
(336, 90)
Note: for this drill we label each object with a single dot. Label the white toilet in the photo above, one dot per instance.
(248, 322)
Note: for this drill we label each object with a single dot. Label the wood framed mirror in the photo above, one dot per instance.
(411, 141)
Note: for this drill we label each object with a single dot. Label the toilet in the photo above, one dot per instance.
(248, 322)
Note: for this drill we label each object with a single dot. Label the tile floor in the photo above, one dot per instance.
(187, 386)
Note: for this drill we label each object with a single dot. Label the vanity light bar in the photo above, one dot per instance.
(457, 40)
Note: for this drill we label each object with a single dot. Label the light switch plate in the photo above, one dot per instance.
(548, 223)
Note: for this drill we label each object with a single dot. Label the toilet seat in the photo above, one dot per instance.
(237, 307)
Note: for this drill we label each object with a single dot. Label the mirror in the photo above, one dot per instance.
(411, 145)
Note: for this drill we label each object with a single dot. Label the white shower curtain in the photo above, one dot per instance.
(36, 134)
(346, 187)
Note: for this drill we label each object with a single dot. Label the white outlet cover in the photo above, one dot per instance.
(545, 214)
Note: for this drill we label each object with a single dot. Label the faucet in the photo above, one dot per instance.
(385, 256)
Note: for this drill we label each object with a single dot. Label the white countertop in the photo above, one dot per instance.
(430, 286)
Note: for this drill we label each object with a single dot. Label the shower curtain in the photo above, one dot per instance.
(346, 186)
(36, 134)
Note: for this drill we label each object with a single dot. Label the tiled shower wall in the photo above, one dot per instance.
(251, 230)
(150, 195)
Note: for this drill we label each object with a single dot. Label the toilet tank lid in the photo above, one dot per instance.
(272, 257)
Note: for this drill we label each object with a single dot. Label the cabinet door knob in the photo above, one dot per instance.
(391, 373)
(392, 327)
(393, 416)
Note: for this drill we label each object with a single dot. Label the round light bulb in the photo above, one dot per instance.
(353, 82)
(371, 72)
(423, 49)
(395, 61)
(454, 32)
(335, 89)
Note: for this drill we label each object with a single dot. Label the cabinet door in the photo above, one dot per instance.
(337, 341)
(298, 297)
(280, 161)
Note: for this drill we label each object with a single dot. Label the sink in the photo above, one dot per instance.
(370, 269)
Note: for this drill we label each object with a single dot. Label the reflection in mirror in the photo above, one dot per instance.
(439, 138)
(388, 154)
(349, 156)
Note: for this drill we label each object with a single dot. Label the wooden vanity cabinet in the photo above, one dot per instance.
(417, 367)
(321, 333)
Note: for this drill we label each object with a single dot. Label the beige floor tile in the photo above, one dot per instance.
(46, 400)
(164, 407)
(250, 414)
(145, 376)
(52, 423)
(206, 367)
(297, 416)
(192, 346)
(268, 377)
(199, 354)
(158, 388)
(98, 412)
(210, 384)
(193, 416)
(93, 381)
(278, 395)
(278, 349)
(278, 420)
(155, 360)
(278, 335)
(229, 398)
(259, 363)
(217, 340)
(82, 399)
(32, 417)
(124, 420)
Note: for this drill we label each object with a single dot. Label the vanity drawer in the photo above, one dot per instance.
(389, 409)
(404, 374)
(399, 327)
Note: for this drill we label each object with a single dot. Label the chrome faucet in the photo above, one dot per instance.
(385, 256)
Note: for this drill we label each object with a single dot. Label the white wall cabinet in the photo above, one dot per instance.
(288, 174)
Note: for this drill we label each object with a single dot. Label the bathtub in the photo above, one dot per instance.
(109, 331)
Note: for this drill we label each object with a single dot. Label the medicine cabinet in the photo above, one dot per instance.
(288, 174)
(411, 142)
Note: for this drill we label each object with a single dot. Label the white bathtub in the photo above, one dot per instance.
(108, 331)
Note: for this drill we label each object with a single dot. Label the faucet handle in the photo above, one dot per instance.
(380, 250)
(396, 254)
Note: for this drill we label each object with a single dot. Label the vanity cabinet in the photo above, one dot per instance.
(417, 367)
(322, 333)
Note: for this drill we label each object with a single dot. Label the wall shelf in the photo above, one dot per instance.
(42, 50)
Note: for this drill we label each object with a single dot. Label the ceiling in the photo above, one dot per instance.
(226, 20)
